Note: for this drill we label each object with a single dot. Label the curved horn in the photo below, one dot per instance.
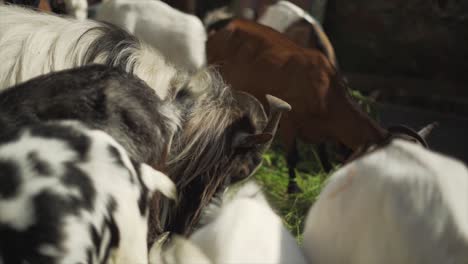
(408, 134)
(425, 131)
(277, 107)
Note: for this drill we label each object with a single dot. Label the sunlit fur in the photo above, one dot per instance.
(202, 159)
(33, 43)
(399, 204)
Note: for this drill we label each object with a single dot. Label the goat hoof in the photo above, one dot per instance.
(293, 188)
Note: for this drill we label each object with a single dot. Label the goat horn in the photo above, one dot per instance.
(277, 107)
(408, 134)
(425, 131)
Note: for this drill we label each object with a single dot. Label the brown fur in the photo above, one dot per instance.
(44, 6)
(259, 60)
(310, 35)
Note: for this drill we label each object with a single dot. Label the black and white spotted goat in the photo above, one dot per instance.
(71, 194)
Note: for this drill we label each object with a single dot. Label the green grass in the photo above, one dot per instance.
(273, 176)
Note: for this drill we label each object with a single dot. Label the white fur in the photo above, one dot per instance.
(217, 15)
(283, 14)
(246, 230)
(179, 36)
(108, 179)
(401, 204)
(179, 251)
(77, 8)
(47, 149)
(33, 43)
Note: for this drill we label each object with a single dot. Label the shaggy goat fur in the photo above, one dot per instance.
(206, 153)
(33, 43)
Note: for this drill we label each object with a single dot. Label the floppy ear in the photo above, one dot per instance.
(249, 140)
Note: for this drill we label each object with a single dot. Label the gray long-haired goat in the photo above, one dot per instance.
(211, 137)
(220, 128)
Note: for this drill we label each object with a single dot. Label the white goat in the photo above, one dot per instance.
(283, 14)
(245, 230)
(179, 36)
(287, 18)
(77, 8)
(33, 43)
(400, 204)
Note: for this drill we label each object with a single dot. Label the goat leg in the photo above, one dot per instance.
(292, 159)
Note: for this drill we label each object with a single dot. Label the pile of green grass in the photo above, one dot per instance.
(273, 177)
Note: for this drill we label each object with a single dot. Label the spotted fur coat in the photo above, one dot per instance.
(70, 194)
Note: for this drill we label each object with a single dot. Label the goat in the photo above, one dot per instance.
(104, 98)
(259, 60)
(304, 30)
(299, 26)
(71, 194)
(219, 139)
(244, 229)
(76, 8)
(398, 204)
(222, 133)
(178, 36)
(32, 44)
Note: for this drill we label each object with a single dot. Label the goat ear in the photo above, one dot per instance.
(249, 140)
(157, 181)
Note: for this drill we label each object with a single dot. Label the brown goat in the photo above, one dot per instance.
(256, 59)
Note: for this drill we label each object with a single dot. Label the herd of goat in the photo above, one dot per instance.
(121, 136)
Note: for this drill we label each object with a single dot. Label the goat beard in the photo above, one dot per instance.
(183, 217)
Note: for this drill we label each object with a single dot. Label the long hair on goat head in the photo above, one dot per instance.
(34, 43)
(204, 157)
